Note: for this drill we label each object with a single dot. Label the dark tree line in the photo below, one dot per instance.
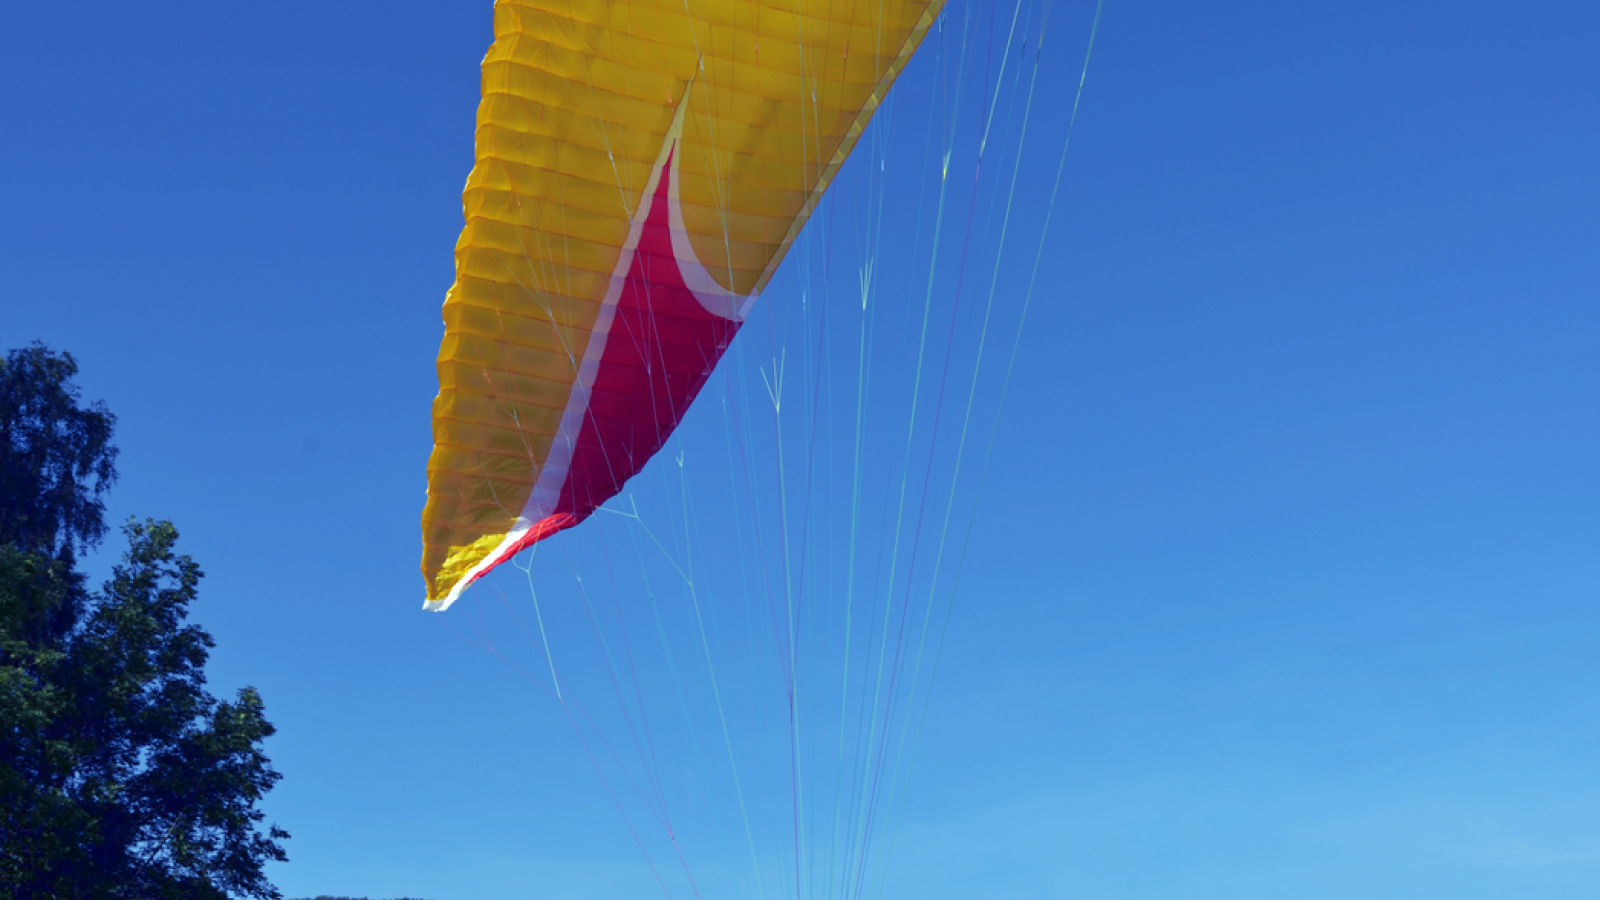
(120, 775)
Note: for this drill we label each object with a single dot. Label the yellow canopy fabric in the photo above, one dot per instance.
(642, 167)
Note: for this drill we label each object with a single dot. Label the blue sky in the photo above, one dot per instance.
(1285, 576)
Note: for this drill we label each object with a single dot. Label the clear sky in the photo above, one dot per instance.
(1286, 574)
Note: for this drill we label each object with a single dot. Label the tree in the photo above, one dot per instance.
(120, 775)
(56, 458)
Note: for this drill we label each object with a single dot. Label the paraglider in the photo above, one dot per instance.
(641, 171)
(764, 621)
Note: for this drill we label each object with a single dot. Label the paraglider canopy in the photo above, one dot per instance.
(641, 171)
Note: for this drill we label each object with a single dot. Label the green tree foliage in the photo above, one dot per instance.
(120, 775)
(56, 457)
